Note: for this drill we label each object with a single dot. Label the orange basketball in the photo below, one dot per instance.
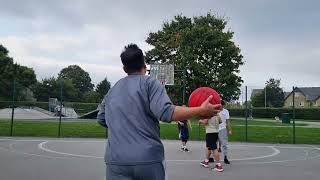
(199, 95)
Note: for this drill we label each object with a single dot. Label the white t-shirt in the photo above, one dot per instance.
(213, 125)
(224, 115)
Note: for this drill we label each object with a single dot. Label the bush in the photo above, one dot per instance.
(82, 108)
(300, 113)
(8, 104)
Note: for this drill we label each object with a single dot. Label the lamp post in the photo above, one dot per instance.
(265, 96)
(48, 90)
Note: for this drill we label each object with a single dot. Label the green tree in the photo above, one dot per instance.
(46, 89)
(205, 48)
(92, 97)
(258, 99)
(24, 76)
(51, 87)
(79, 78)
(274, 95)
(103, 88)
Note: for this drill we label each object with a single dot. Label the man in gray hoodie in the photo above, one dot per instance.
(131, 111)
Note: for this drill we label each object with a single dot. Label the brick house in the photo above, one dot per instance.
(304, 97)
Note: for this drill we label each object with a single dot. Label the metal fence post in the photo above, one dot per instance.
(198, 131)
(13, 104)
(246, 114)
(293, 117)
(59, 128)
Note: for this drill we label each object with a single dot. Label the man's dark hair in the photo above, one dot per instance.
(132, 58)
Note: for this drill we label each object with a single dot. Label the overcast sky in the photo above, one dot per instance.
(278, 38)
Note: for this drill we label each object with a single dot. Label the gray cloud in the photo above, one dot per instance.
(277, 38)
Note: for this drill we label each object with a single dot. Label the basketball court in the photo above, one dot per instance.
(82, 159)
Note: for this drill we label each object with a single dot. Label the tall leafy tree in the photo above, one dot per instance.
(204, 46)
(103, 87)
(274, 95)
(258, 100)
(51, 88)
(24, 76)
(79, 78)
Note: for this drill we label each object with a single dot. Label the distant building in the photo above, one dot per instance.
(304, 97)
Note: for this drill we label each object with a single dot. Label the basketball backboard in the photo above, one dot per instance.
(163, 72)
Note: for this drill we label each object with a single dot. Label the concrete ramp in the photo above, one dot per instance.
(24, 113)
(69, 112)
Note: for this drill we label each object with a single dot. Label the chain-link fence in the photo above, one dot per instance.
(271, 114)
(261, 114)
(55, 115)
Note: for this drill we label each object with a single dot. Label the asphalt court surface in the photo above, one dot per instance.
(82, 159)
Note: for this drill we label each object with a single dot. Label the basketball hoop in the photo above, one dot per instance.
(163, 83)
(163, 72)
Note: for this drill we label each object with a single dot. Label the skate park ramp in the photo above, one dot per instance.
(25, 113)
(35, 113)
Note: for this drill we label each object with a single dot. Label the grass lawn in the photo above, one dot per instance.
(241, 121)
(89, 129)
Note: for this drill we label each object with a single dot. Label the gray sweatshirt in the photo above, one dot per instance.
(131, 111)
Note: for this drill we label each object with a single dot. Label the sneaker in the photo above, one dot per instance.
(226, 161)
(182, 149)
(186, 150)
(218, 168)
(205, 164)
(211, 160)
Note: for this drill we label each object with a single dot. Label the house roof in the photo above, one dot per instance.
(311, 93)
(258, 91)
(286, 94)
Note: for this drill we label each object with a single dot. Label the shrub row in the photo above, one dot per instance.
(300, 113)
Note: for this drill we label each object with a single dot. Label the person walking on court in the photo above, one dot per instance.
(183, 127)
(224, 131)
(131, 111)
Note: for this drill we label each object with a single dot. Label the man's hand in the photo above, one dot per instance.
(207, 109)
(203, 121)
(230, 132)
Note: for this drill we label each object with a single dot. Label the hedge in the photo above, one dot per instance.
(80, 108)
(7, 104)
(300, 113)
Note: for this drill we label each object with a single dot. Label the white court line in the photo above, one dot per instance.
(315, 147)
(275, 152)
(41, 146)
(12, 150)
(32, 154)
(305, 157)
(182, 161)
(164, 142)
(252, 145)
